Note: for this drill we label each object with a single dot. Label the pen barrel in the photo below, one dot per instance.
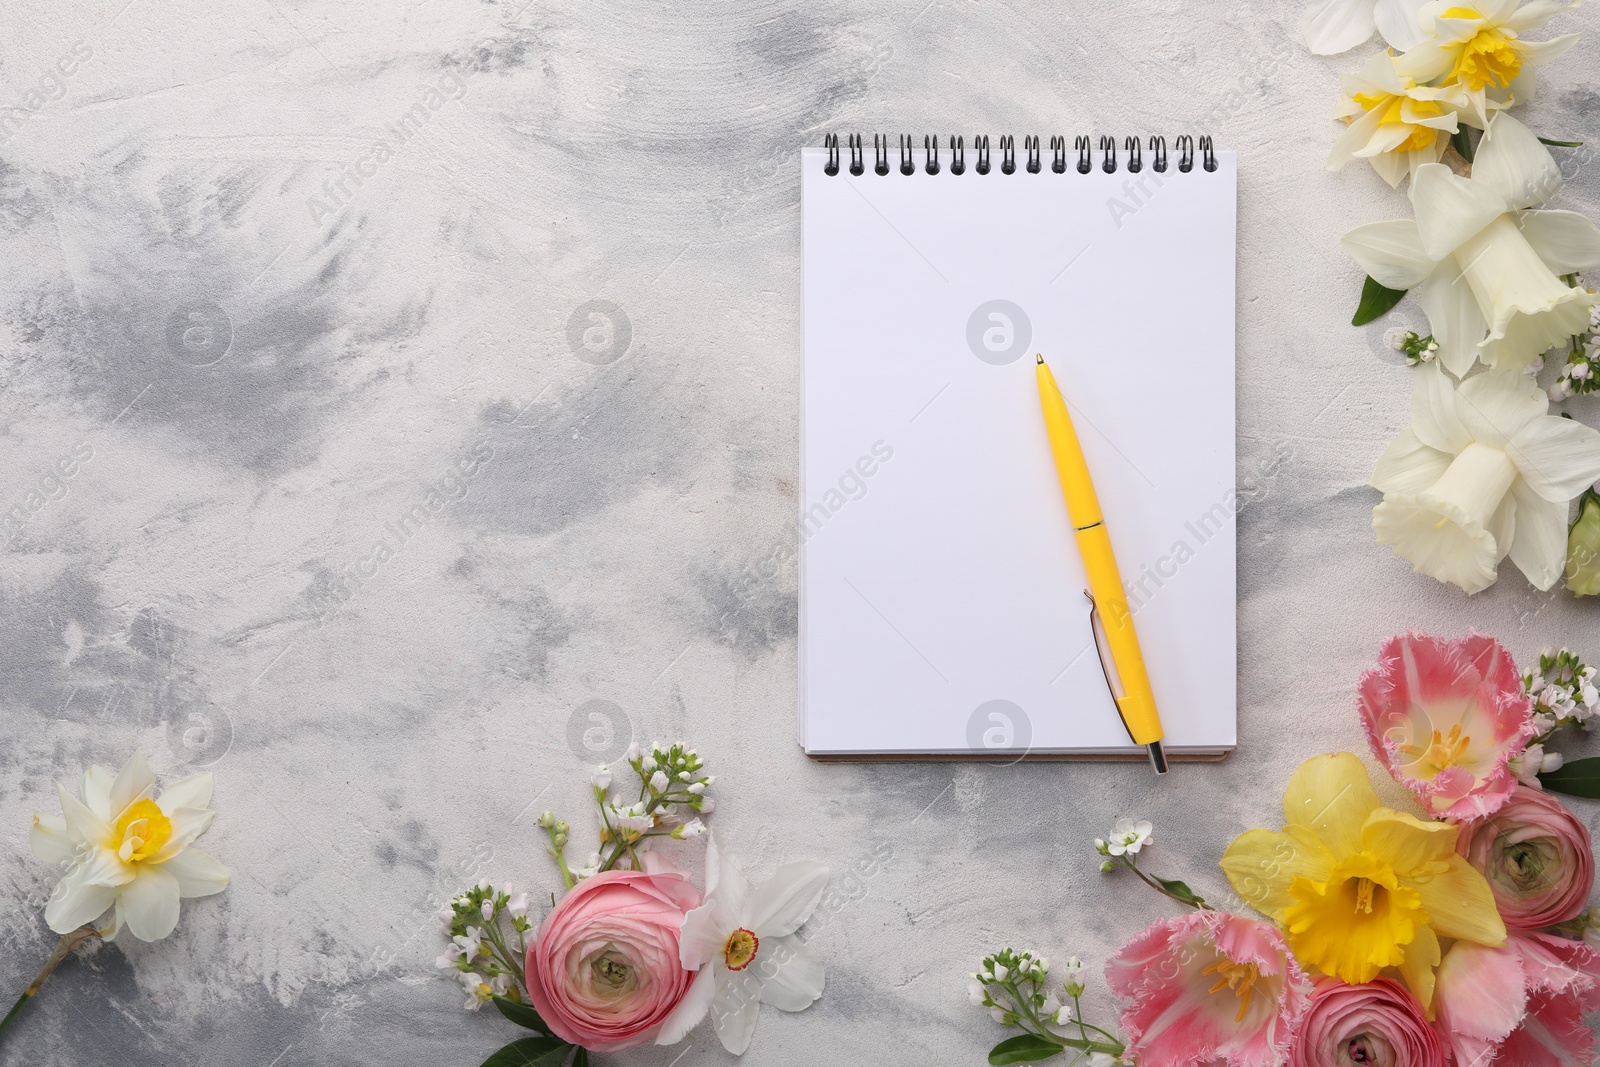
(1137, 704)
(1083, 506)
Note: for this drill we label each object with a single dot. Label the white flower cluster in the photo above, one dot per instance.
(1582, 373)
(1416, 349)
(482, 958)
(1014, 987)
(1564, 693)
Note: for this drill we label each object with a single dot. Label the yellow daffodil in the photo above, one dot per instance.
(1359, 887)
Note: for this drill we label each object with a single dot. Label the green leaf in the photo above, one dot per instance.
(521, 1014)
(582, 1058)
(1376, 300)
(1462, 140)
(1024, 1048)
(531, 1052)
(1560, 144)
(1576, 778)
(1181, 891)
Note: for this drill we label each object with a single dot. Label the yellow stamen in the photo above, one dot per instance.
(1444, 750)
(1364, 896)
(140, 832)
(1240, 977)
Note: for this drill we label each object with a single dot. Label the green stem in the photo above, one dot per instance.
(1133, 865)
(67, 943)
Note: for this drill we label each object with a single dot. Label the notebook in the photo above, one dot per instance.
(942, 612)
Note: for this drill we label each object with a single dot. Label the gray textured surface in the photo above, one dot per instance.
(375, 747)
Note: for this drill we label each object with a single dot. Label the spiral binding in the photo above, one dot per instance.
(1185, 145)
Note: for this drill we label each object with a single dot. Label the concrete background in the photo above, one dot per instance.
(268, 371)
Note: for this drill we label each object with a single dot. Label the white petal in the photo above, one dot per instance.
(1567, 241)
(75, 902)
(187, 824)
(1450, 208)
(192, 792)
(1354, 138)
(1454, 317)
(703, 936)
(1333, 26)
(735, 1012)
(796, 982)
(690, 1010)
(1390, 251)
(104, 867)
(150, 903)
(1494, 407)
(1433, 411)
(1503, 526)
(1531, 16)
(779, 905)
(1558, 458)
(1511, 161)
(1539, 547)
(83, 825)
(134, 782)
(97, 791)
(1408, 465)
(49, 841)
(723, 877)
(1435, 546)
(198, 873)
(1535, 53)
(1397, 22)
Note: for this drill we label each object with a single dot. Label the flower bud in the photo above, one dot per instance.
(659, 782)
(601, 778)
(1583, 548)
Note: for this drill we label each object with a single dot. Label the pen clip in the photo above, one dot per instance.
(1108, 666)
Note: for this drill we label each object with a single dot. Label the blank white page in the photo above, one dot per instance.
(941, 592)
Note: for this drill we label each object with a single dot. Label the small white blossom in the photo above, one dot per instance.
(1129, 836)
(518, 905)
(601, 779)
(997, 1014)
(487, 908)
(659, 782)
(691, 829)
(975, 993)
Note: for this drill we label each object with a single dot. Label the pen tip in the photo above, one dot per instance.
(1038, 358)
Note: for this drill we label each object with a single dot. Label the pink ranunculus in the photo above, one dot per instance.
(1445, 717)
(603, 970)
(1536, 857)
(1209, 987)
(1378, 1023)
(1520, 1004)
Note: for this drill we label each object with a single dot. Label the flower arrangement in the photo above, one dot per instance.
(1458, 933)
(128, 851)
(632, 952)
(1485, 471)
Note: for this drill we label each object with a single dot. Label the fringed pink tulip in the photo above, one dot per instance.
(1209, 988)
(1445, 717)
(1521, 1004)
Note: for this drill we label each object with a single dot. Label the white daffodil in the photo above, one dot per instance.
(1484, 471)
(741, 940)
(1333, 26)
(1488, 269)
(1395, 124)
(128, 850)
(1480, 49)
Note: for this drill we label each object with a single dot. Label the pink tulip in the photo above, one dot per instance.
(1520, 1004)
(603, 971)
(1378, 1023)
(1445, 717)
(1211, 988)
(1536, 857)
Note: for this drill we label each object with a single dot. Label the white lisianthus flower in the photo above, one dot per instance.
(1488, 269)
(1479, 48)
(1333, 26)
(1484, 471)
(742, 943)
(1395, 124)
(128, 851)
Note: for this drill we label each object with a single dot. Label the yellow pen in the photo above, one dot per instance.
(1110, 615)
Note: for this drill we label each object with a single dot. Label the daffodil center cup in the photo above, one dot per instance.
(1520, 296)
(140, 832)
(740, 949)
(1486, 59)
(1472, 487)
